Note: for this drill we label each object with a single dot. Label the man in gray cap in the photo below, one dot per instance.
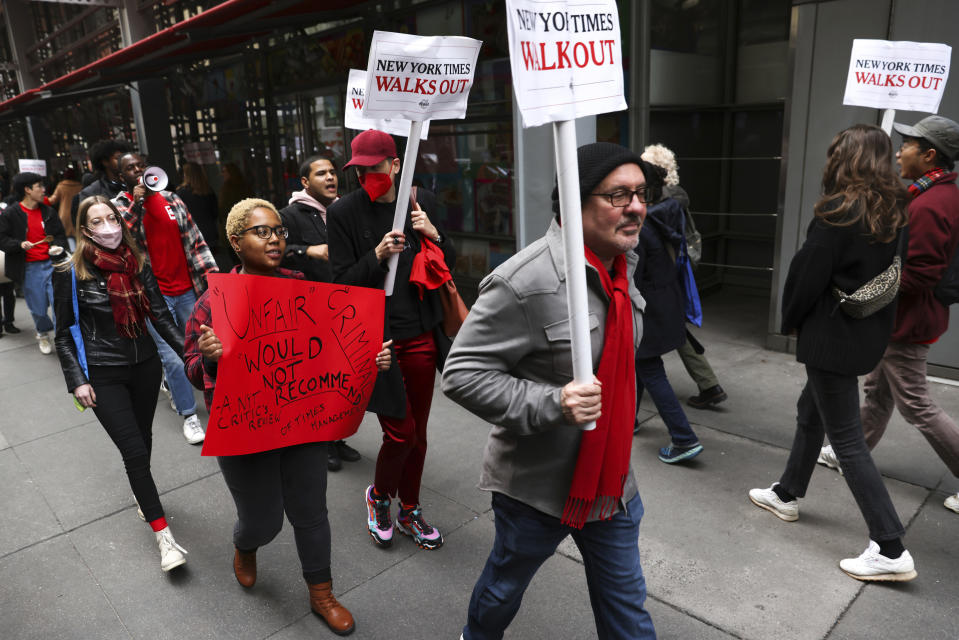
(511, 365)
(927, 157)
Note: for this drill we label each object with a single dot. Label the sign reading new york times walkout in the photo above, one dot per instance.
(419, 78)
(353, 115)
(566, 58)
(897, 75)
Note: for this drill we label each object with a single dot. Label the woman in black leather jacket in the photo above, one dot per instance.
(117, 373)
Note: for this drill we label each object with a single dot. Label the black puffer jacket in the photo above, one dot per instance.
(104, 345)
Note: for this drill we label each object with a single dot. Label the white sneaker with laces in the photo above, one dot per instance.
(873, 566)
(172, 555)
(43, 341)
(952, 503)
(192, 430)
(827, 458)
(768, 500)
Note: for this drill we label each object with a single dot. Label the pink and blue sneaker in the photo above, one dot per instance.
(411, 523)
(378, 519)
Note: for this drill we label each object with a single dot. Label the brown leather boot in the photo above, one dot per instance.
(244, 567)
(325, 605)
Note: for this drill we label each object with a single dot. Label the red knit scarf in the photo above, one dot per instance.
(604, 452)
(128, 298)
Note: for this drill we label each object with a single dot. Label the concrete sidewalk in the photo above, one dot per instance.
(75, 562)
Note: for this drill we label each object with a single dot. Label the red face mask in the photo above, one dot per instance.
(376, 184)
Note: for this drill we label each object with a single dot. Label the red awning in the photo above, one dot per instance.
(220, 28)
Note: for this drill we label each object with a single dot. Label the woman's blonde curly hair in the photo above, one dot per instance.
(662, 156)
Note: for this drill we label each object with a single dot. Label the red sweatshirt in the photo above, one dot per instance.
(933, 237)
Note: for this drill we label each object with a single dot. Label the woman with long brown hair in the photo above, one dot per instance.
(857, 232)
(114, 369)
(201, 202)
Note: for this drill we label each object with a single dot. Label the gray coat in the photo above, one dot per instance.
(511, 359)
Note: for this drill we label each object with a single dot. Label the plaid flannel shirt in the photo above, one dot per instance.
(199, 258)
(200, 371)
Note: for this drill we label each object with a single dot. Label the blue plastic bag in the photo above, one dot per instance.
(75, 328)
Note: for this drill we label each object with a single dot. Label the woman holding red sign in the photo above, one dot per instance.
(290, 479)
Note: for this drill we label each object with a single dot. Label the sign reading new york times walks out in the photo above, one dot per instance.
(566, 58)
(353, 115)
(897, 75)
(419, 78)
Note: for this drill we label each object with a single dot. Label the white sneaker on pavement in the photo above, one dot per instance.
(827, 458)
(873, 566)
(165, 388)
(43, 341)
(192, 430)
(768, 500)
(952, 503)
(172, 555)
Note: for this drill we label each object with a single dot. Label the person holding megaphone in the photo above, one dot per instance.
(180, 259)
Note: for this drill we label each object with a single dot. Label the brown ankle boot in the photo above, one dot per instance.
(325, 605)
(244, 567)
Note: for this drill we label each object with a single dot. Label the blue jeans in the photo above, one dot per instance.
(38, 292)
(829, 405)
(181, 307)
(651, 374)
(526, 538)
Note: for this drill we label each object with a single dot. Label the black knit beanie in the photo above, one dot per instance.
(598, 159)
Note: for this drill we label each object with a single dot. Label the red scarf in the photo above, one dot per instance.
(128, 298)
(929, 178)
(604, 452)
(429, 270)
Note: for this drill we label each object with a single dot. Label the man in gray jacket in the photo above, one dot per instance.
(511, 365)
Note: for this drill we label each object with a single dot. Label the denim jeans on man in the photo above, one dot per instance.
(651, 374)
(38, 292)
(829, 405)
(181, 307)
(526, 538)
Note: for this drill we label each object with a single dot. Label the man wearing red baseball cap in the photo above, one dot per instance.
(361, 241)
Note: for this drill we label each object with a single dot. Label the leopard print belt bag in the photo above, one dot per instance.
(872, 296)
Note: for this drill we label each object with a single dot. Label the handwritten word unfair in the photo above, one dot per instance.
(564, 21)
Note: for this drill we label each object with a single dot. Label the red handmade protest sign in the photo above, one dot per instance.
(298, 361)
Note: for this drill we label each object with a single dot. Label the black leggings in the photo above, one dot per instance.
(126, 400)
(9, 300)
(291, 479)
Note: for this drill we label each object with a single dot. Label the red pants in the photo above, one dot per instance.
(399, 466)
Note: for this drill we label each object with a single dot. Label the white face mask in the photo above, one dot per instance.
(107, 235)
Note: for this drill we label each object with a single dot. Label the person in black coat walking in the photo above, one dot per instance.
(859, 228)
(361, 242)
(658, 278)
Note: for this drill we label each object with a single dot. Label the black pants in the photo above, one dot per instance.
(829, 405)
(291, 479)
(126, 401)
(8, 298)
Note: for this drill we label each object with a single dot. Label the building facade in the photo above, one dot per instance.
(748, 94)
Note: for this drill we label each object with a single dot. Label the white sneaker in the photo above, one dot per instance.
(952, 503)
(827, 458)
(873, 566)
(171, 554)
(768, 500)
(192, 430)
(43, 340)
(139, 511)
